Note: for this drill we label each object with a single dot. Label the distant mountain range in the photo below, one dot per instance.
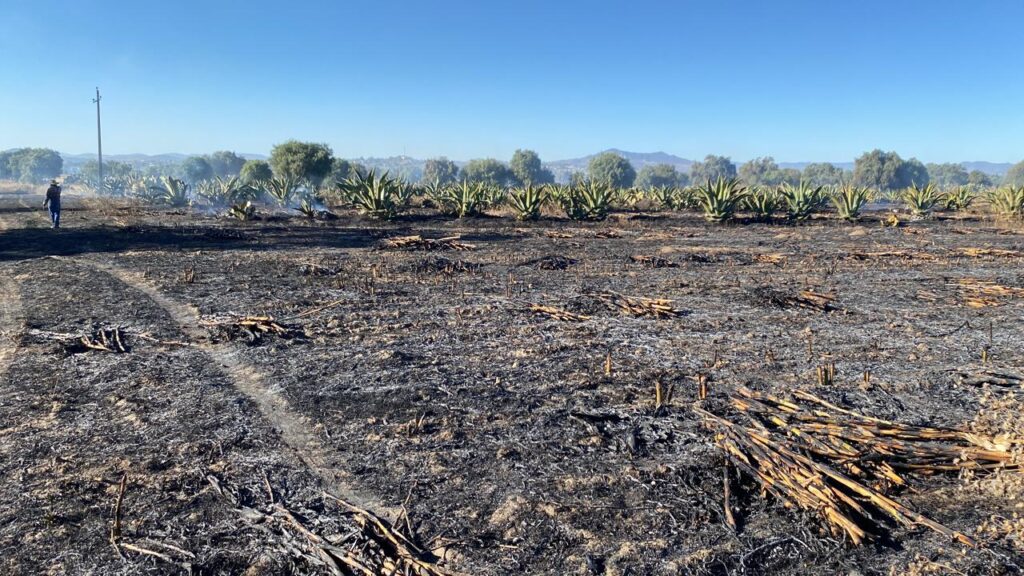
(412, 168)
(73, 161)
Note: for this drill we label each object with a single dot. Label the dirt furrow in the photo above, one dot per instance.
(294, 428)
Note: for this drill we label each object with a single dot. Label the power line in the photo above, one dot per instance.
(99, 136)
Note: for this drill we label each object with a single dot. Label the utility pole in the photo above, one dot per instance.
(99, 137)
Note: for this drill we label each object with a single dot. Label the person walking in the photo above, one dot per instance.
(53, 201)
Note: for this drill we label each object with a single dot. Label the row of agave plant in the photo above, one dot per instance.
(234, 194)
(384, 197)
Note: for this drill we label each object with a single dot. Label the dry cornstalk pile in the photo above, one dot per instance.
(981, 294)
(376, 548)
(804, 299)
(557, 313)
(980, 252)
(892, 255)
(640, 307)
(653, 261)
(823, 458)
(254, 327)
(104, 340)
(997, 379)
(417, 242)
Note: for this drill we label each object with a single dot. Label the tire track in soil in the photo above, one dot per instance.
(294, 428)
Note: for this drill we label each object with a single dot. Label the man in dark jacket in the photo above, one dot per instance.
(53, 201)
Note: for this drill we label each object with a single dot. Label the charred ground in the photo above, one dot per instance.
(420, 384)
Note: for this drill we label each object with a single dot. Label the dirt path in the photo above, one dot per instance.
(10, 320)
(295, 429)
(10, 314)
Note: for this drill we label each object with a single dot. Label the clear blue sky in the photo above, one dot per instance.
(942, 80)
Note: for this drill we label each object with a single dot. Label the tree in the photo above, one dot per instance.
(342, 170)
(302, 160)
(1015, 175)
(979, 179)
(256, 170)
(527, 169)
(90, 170)
(487, 170)
(947, 176)
(789, 176)
(196, 169)
(913, 172)
(823, 174)
(440, 170)
(9, 168)
(30, 164)
(609, 167)
(225, 163)
(712, 168)
(657, 175)
(765, 172)
(887, 171)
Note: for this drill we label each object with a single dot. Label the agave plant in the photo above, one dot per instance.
(802, 200)
(719, 199)
(587, 200)
(225, 191)
(377, 196)
(1007, 201)
(628, 198)
(171, 191)
(849, 200)
(921, 199)
(243, 211)
(960, 198)
(281, 189)
(527, 201)
(763, 202)
(462, 199)
(666, 197)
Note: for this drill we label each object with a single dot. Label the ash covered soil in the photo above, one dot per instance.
(417, 384)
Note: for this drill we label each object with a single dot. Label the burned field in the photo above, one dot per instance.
(648, 395)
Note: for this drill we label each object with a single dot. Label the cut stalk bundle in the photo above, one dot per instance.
(820, 457)
(981, 252)
(557, 313)
(641, 307)
(652, 261)
(255, 327)
(104, 340)
(417, 242)
(804, 299)
(981, 294)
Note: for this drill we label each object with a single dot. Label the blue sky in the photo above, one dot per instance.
(941, 80)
